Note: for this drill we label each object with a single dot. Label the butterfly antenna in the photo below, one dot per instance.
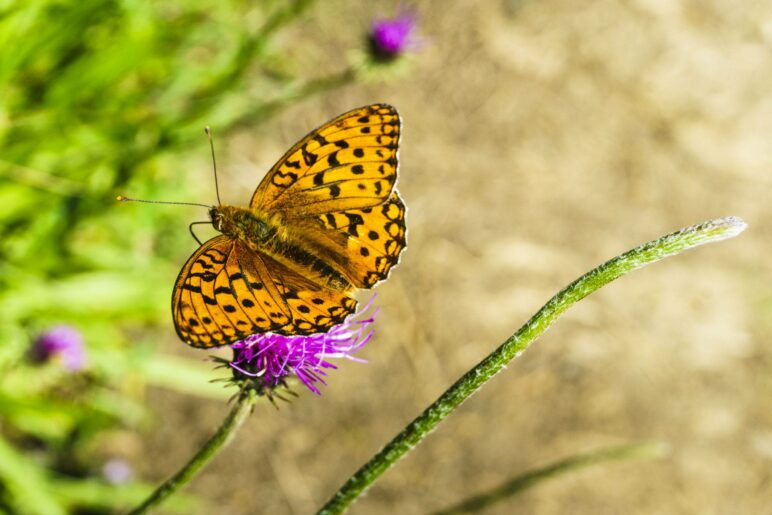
(121, 198)
(214, 163)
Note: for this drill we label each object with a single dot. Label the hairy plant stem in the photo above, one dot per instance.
(418, 429)
(238, 414)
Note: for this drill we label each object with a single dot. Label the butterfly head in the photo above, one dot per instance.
(217, 216)
(242, 224)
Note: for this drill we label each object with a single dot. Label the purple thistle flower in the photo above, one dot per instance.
(391, 37)
(117, 471)
(62, 342)
(275, 356)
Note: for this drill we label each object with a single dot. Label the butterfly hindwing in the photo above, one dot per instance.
(224, 293)
(348, 163)
(313, 308)
(365, 243)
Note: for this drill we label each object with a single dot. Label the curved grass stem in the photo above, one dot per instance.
(418, 429)
(238, 414)
(531, 478)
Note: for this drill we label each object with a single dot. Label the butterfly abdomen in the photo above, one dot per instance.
(308, 262)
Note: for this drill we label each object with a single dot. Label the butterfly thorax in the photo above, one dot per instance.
(243, 224)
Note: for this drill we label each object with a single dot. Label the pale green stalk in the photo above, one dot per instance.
(418, 429)
(523, 482)
(238, 414)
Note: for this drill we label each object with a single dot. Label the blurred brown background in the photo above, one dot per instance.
(540, 139)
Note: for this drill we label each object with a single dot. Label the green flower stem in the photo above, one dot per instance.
(521, 483)
(236, 417)
(418, 429)
(292, 94)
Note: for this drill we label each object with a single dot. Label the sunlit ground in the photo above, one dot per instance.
(540, 139)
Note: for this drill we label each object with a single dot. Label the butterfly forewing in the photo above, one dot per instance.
(348, 163)
(337, 186)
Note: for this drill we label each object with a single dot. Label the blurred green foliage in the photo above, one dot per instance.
(101, 97)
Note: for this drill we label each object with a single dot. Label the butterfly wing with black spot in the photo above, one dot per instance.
(336, 188)
(313, 308)
(348, 163)
(224, 293)
(364, 243)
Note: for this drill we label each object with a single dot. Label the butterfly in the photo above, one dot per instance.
(325, 221)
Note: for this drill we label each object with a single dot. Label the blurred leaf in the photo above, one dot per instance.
(44, 418)
(187, 376)
(25, 484)
(93, 293)
(93, 493)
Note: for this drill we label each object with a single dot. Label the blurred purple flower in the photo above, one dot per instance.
(117, 471)
(275, 356)
(62, 342)
(391, 37)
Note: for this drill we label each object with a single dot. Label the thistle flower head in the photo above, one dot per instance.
(63, 343)
(272, 357)
(117, 471)
(391, 37)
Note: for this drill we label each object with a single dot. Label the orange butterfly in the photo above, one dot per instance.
(325, 220)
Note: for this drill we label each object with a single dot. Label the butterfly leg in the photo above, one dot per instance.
(190, 228)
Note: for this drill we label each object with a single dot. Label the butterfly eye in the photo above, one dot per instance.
(216, 219)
